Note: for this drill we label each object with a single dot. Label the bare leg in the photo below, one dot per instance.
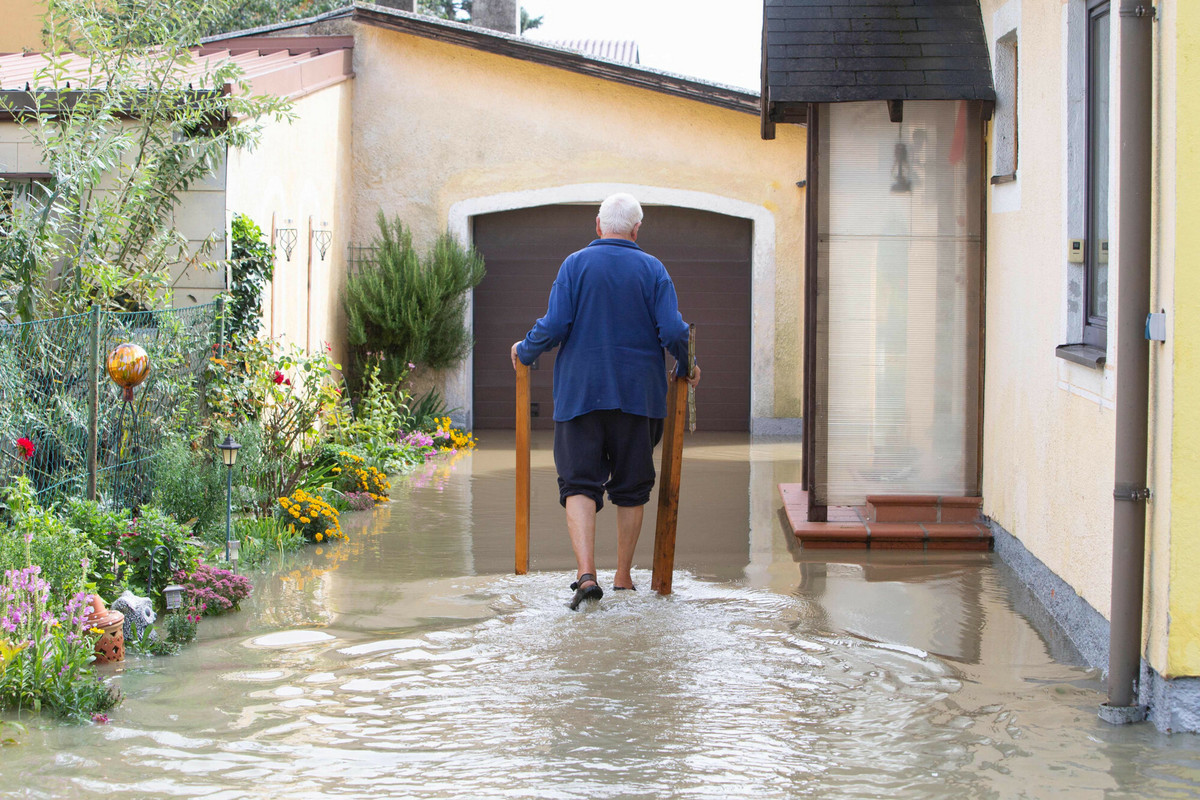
(581, 527)
(629, 528)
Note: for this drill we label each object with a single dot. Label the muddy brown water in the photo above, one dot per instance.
(409, 662)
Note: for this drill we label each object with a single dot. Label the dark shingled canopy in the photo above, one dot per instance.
(836, 51)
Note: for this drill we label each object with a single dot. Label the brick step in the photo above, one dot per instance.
(851, 528)
(922, 508)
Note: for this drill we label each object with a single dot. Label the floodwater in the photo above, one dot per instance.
(410, 662)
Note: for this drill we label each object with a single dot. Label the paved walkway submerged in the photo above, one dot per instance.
(410, 662)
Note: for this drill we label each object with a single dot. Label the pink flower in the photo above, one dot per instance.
(26, 445)
(100, 719)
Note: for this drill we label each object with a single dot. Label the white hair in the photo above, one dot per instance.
(619, 213)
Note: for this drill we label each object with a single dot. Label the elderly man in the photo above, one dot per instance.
(612, 310)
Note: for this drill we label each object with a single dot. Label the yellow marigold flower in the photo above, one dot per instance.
(295, 512)
(316, 512)
(305, 520)
(97, 631)
(318, 537)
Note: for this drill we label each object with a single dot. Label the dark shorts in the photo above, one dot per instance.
(606, 451)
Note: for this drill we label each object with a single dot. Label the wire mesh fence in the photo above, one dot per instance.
(67, 426)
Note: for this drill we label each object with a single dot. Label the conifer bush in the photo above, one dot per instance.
(407, 308)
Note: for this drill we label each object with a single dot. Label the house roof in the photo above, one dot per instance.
(284, 67)
(514, 46)
(622, 50)
(835, 51)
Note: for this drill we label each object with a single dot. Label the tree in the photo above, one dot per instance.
(460, 11)
(256, 13)
(407, 309)
(144, 123)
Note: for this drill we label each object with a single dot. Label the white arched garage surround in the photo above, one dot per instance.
(459, 389)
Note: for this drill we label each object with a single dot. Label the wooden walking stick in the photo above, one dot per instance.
(522, 452)
(668, 487)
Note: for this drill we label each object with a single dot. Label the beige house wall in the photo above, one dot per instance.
(1049, 424)
(298, 176)
(444, 131)
(22, 28)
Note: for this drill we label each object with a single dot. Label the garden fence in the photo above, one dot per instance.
(86, 440)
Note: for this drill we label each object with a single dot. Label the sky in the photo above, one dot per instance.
(714, 40)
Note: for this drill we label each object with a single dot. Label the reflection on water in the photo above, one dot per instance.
(408, 663)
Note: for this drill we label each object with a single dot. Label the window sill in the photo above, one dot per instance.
(996, 180)
(1084, 354)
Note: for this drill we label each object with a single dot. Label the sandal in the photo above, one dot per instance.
(624, 588)
(593, 592)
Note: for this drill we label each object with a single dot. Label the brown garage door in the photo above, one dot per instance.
(708, 256)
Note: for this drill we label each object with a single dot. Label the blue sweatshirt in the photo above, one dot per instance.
(612, 309)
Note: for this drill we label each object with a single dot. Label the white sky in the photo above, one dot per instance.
(715, 40)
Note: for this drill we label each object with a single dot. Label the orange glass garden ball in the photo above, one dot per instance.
(128, 366)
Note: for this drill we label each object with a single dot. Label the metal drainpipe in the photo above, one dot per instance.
(1133, 363)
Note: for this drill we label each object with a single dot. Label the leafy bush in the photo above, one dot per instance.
(314, 518)
(362, 478)
(251, 266)
(426, 412)
(104, 529)
(404, 308)
(260, 537)
(137, 547)
(189, 483)
(213, 590)
(39, 537)
(44, 656)
(358, 501)
(289, 394)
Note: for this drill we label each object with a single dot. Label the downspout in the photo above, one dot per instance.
(1130, 492)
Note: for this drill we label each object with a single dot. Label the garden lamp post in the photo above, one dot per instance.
(229, 449)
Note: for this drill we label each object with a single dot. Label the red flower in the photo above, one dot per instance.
(27, 446)
(279, 378)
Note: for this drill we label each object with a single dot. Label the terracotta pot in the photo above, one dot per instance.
(111, 644)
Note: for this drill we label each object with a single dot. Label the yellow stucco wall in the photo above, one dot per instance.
(1048, 423)
(1184, 330)
(439, 124)
(22, 26)
(296, 172)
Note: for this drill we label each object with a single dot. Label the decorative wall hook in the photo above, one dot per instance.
(322, 237)
(287, 238)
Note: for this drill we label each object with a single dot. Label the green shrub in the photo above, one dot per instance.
(104, 530)
(251, 266)
(40, 537)
(407, 309)
(189, 483)
(262, 537)
(146, 532)
(45, 652)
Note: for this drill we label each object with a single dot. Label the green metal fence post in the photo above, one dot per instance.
(93, 403)
(221, 330)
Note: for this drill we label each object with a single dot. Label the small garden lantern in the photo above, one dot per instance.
(234, 546)
(174, 595)
(229, 449)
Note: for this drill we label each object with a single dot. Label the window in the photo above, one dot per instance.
(1095, 328)
(1004, 164)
